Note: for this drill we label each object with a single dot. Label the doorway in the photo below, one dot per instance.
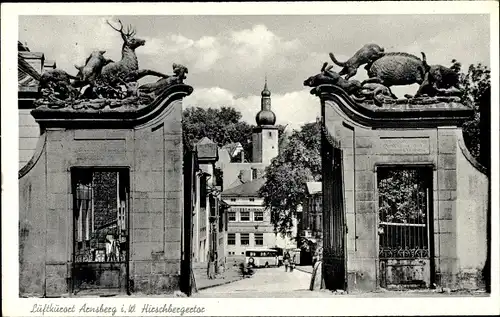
(405, 227)
(100, 229)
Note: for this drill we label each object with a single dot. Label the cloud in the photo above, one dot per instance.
(233, 51)
(293, 108)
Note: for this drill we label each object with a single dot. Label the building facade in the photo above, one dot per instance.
(249, 223)
(31, 66)
(312, 212)
(209, 227)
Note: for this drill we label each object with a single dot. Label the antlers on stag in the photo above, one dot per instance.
(127, 35)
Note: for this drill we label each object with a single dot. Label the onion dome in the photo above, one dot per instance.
(265, 116)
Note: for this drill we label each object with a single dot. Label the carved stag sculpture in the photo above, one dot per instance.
(365, 55)
(126, 69)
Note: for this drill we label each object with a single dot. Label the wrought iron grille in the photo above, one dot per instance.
(403, 212)
(100, 227)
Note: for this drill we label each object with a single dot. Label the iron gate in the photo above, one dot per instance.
(334, 228)
(190, 168)
(405, 218)
(100, 235)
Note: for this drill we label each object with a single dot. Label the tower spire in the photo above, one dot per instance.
(266, 115)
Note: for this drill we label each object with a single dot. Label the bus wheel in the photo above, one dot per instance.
(267, 264)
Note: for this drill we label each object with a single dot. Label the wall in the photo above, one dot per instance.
(29, 133)
(33, 225)
(265, 144)
(472, 213)
(231, 171)
(153, 152)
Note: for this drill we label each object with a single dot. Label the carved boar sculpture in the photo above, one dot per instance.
(328, 77)
(397, 69)
(365, 55)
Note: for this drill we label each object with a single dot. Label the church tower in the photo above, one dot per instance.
(265, 135)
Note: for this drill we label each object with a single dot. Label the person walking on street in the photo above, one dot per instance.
(286, 261)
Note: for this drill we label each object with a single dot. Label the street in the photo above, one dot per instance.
(275, 282)
(266, 282)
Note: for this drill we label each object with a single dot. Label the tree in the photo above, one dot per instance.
(222, 126)
(298, 162)
(476, 84)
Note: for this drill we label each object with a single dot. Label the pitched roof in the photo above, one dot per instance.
(250, 189)
(314, 187)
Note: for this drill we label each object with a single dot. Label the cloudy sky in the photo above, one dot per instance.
(229, 56)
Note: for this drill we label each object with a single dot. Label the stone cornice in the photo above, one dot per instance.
(106, 113)
(401, 113)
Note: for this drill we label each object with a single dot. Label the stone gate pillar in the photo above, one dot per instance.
(141, 138)
(410, 133)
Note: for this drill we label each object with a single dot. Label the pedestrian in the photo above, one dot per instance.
(286, 260)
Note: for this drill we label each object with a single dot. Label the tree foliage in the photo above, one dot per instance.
(401, 197)
(474, 84)
(298, 162)
(221, 125)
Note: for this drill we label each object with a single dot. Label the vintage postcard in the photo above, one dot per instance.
(187, 159)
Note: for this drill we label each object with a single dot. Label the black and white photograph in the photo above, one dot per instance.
(340, 152)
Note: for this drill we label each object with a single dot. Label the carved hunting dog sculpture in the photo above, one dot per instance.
(180, 72)
(441, 81)
(328, 77)
(374, 91)
(93, 66)
(365, 55)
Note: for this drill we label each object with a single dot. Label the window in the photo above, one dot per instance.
(270, 134)
(259, 238)
(252, 199)
(203, 192)
(233, 199)
(254, 173)
(231, 238)
(245, 216)
(231, 216)
(258, 216)
(244, 238)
